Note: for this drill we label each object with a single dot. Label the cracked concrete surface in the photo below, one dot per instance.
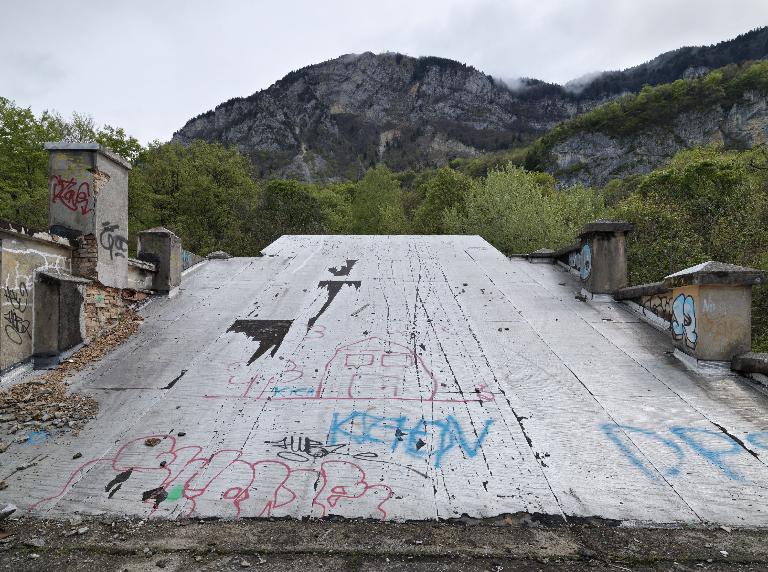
(400, 378)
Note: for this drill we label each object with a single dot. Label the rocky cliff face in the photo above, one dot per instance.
(595, 158)
(335, 119)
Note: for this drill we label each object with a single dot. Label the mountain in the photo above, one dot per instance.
(335, 119)
(636, 134)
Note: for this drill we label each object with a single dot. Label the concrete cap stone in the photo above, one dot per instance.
(219, 255)
(59, 276)
(712, 272)
(161, 230)
(87, 146)
(610, 226)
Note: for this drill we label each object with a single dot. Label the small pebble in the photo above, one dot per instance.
(77, 455)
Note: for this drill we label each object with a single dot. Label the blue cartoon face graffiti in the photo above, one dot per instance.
(684, 320)
(586, 262)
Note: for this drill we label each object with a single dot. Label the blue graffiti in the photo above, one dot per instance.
(585, 268)
(287, 391)
(684, 320)
(410, 437)
(716, 447)
(615, 432)
(36, 437)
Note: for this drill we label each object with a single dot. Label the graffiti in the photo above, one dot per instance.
(371, 368)
(684, 320)
(269, 333)
(227, 476)
(574, 259)
(333, 287)
(585, 265)
(72, 195)
(344, 269)
(716, 447)
(16, 327)
(19, 301)
(117, 244)
(658, 304)
(411, 437)
(302, 449)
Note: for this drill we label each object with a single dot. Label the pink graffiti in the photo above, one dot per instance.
(71, 194)
(226, 476)
(371, 368)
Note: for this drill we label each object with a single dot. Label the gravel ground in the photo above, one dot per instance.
(504, 544)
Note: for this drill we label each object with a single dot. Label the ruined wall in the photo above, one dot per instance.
(104, 306)
(22, 254)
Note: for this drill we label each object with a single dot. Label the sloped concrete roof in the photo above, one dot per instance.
(402, 378)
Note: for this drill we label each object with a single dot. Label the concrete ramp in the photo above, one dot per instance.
(402, 378)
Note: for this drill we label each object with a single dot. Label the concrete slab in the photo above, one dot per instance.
(401, 378)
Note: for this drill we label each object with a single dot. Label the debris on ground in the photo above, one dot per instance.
(7, 511)
(34, 409)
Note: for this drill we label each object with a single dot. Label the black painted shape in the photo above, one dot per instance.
(419, 444)
(158, 495)
(118, 480)
(343, 270)
(333, 287)
(117, 488)
(269, 334)
(177, 378)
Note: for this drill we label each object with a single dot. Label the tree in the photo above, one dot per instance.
(377, 206)
(444, 190)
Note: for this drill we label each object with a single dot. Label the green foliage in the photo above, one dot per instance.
(706, 205)
(24, 163)
(445, 189)
(518, 211)
(203, 192)
(377, 206)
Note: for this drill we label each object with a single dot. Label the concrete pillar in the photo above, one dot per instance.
(88, 203)
(712, 309)
(603, 256)
(163, 248)
(59, 309)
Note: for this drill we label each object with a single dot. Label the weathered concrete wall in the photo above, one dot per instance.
(59, 315)
(162, 247)
(22, 254)
(89, 197)
(711, 322)
(140, 274)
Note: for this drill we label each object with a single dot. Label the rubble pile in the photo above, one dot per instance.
(44, 404)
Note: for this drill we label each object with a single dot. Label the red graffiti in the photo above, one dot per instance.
(72, 195)
(226, 476)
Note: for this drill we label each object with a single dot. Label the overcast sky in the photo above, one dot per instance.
(150, 65)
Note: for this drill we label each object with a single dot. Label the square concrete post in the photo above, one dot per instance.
(603, 256)
(88, 203)
(163, 248)
(59, 310)
(712, 309)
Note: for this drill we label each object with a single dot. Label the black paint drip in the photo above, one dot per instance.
(158, 495)
(173, 381)
(333, 287)
(343, 270)
(269, 334)
(118, 480)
